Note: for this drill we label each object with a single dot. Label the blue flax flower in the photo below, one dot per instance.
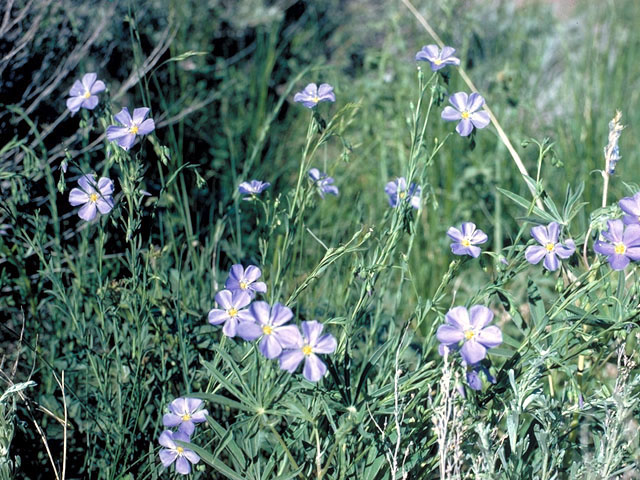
(436, 57)
(472, 328)
(465, 240)
(323, 182)
(125, 135)
(254, 187)
(466, 111)
(232, 310)
(83, 93)
(631, 207)
(620, 245)
(94, 197)
(312, 95)
(184, 413)
(270, 325)
(245, 280)
(549, 247)
(308, 346)
(397, 192)
(473, 375)
(174, 453)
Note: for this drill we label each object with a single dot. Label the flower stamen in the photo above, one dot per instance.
(307, 350)
(620, 248)
(267, 330)
(93, 197)
(243, 285)
(469, 334)
(465, 114)
(87, 94)
(549, 246)
(466, 242)
(186, 417)
(232, 312)
(133, 129)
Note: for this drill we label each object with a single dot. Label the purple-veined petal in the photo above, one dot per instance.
(87, 183)
(88, 211)
(618, 262)
(146, 127)
(631, 205)
(224, 299)
(631, 236)
(166, 439)
(541, 235)
(270, 347)
(280, 315)
(447, 52)
(252, 273)
(312, 331)
(104, 204)
(105, 185)
(192, 456)
(114, 133)
(535, 253)
(127, 141)
(459, 249)
(77, 197)
(167, 457)
(633, 253)
(290, 359)
(472, 351)
(429, 53)
(314, 368)
(553, 229)
(465, 127)
(288, 336)
(478, 237)
(186, 427)
(480, 119)
(450, 114)
(139, 114)
(474, 251)
(458, 317)
(171, 420)
(230, 328)
(179, 406)
(468, 229)
(193, 404)
(199, 416)
(183, 466)
(97, 87)
(248, 331)
(604, 248)
(615, 230)
(459, 101)
(124, 117)
(474, 102)
(449, 334)
(565, 250)
(90, 103)
(630, 219)
(551, 262)
(480, 316)
(259, 287)
(217, 316)
(455, 234)
(77, 89)
(237, 272)
(261, 312)
(326, 344)
(325, 93)
(489, 337)
(240, 299)
(74, 103)
(88, 80)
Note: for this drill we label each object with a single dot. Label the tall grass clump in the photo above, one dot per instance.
(278, 240)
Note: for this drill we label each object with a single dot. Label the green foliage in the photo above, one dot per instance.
(120, 304)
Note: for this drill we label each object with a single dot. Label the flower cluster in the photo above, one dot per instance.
(270, 325)
(98, 197)
(184, 413)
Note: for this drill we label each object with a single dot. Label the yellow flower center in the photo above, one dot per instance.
(437, 61)
(180, 450)
(232, 312)
(93, 197)
(465, 114)
(402, 194)
(87, 94)
(267, 330)
(466, 242)
(469, 334)
(549, 246)
(620, 248)
(186, 417)
(307, 350)
(133, 129)
(316, 99)
(244, 285)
